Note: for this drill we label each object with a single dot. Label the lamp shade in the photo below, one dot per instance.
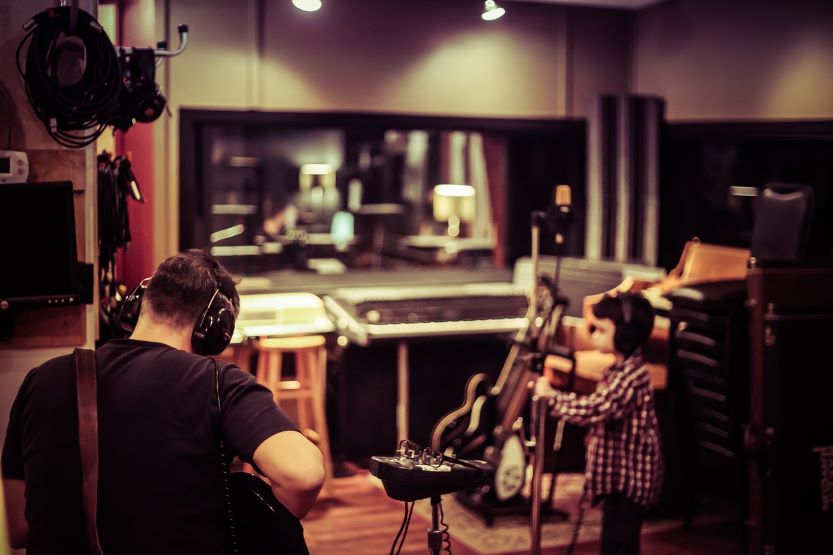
(317, 175)
(453, 200)
(307, 5)
(492, 11)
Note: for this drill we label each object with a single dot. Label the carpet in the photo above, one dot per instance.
(512, 533)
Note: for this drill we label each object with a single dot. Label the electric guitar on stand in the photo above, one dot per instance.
(489, 424)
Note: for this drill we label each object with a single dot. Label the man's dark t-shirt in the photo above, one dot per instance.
(160, 482)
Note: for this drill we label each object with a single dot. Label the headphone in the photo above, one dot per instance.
(624, 339)
(626, 304)
(139, 98)
(214, 327)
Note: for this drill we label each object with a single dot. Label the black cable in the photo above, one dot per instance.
(74, 114)
(446, 535)
(407, 525)
(113, 233)
(399, 533)
(403, 529)
(579, 521)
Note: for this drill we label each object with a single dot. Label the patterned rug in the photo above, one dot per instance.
(511, 533)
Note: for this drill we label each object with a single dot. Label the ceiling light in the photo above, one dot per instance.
(307, 5)
(492, 11)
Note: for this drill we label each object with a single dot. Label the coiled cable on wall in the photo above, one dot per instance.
(114, 177)
(75, 111)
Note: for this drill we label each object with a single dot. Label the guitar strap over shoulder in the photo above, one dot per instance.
(87, 396)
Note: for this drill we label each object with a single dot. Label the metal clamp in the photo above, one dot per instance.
(161, 51)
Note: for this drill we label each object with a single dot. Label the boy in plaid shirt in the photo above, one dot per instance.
(624, 468)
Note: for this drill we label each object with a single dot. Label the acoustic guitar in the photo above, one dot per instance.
(263, 526)
(258, 523)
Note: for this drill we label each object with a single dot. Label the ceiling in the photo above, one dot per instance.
(620, 4)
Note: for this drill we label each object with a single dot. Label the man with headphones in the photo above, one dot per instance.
(624, 467)
(160, 479)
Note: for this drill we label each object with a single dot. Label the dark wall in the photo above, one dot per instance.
(701, 162)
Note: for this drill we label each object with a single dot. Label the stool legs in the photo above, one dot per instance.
(269, 371)
(311, 367)
(320, 385)
(308, 392)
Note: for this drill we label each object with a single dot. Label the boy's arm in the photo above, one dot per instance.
(611, 401)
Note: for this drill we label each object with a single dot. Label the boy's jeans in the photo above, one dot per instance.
(621, 524)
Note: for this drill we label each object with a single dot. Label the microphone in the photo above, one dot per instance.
(563, 212)
(563, 196)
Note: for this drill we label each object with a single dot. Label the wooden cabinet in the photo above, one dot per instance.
(790, 438)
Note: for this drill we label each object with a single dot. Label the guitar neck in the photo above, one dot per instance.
(512, 400)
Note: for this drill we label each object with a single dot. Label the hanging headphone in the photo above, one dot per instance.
(139, 98)
(214, 327)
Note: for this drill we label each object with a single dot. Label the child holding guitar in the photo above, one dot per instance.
(624, 466)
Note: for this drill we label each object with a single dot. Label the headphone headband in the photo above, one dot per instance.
(626, 303)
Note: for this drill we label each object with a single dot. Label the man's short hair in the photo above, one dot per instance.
(183, 285)
(633, 316)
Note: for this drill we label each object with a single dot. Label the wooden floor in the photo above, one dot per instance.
(360, 519)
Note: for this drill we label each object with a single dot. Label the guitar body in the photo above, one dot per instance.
(508, 457)
(464, 431)
(263, 525)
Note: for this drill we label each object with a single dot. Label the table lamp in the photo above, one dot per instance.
(319, 196)
(454, 203)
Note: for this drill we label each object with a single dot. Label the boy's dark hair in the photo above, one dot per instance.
(633, 316)
(183, 285)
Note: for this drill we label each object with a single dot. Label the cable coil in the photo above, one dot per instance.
(74, 114)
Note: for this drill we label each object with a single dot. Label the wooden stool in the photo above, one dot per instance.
(307, 390)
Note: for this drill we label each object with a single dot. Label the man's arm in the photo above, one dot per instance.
(296, 468)
(14, 491)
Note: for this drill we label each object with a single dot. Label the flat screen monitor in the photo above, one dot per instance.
(37, 245)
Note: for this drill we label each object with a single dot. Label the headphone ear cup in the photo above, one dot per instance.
(149, 106)
(623, 331)
(130, 308)
(213, 331)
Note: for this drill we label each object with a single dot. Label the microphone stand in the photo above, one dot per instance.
(539, 406)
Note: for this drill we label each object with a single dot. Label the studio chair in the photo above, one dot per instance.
(306, 389)
(783, 216)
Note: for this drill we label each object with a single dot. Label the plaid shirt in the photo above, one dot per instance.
(624, 455)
